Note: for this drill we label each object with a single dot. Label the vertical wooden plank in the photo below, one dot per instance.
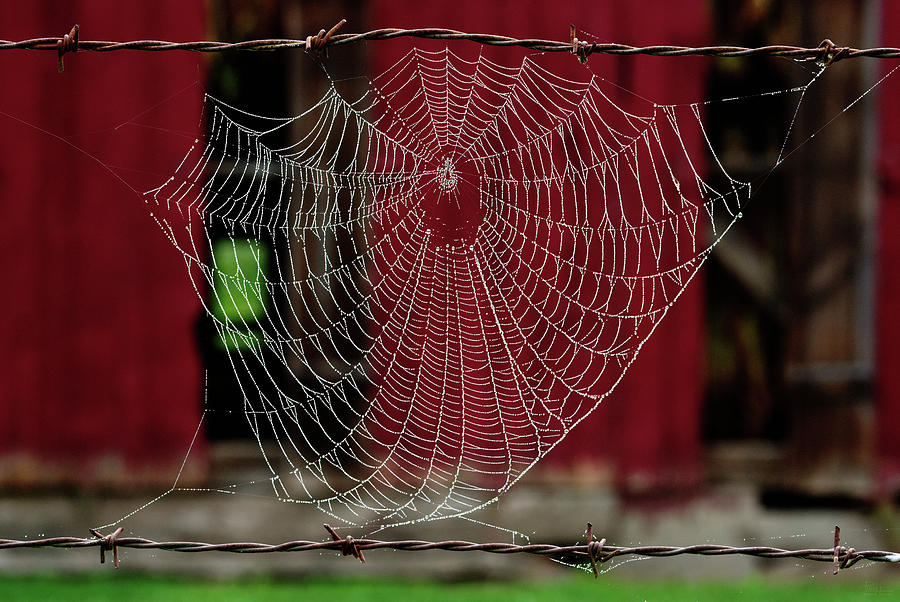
(828, 379)
(887, 419)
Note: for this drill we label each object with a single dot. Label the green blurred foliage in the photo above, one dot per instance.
(122, 587)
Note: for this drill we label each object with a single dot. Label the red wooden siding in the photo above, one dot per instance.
(649, 428)
(99, 367)
(96, 314)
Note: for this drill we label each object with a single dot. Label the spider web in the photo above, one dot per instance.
(465, 259)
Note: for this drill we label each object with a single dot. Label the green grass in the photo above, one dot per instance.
(123, 586)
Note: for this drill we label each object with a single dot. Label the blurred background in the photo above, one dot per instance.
(766, 406)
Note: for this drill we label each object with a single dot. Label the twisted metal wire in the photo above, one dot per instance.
(593, 552)
(827, 52)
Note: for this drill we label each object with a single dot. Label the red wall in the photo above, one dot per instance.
(96, 315)
(648, 430)
(99, 357)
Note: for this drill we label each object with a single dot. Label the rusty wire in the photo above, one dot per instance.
(593, 552)
(826, 52)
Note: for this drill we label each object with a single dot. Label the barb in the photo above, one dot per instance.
(67, 43)
(593, 552)
(318, 44)
(349, 547)
(826, 53)
(107, 543)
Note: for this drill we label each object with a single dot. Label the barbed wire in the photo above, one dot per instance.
(826, 52)
(593, 552)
